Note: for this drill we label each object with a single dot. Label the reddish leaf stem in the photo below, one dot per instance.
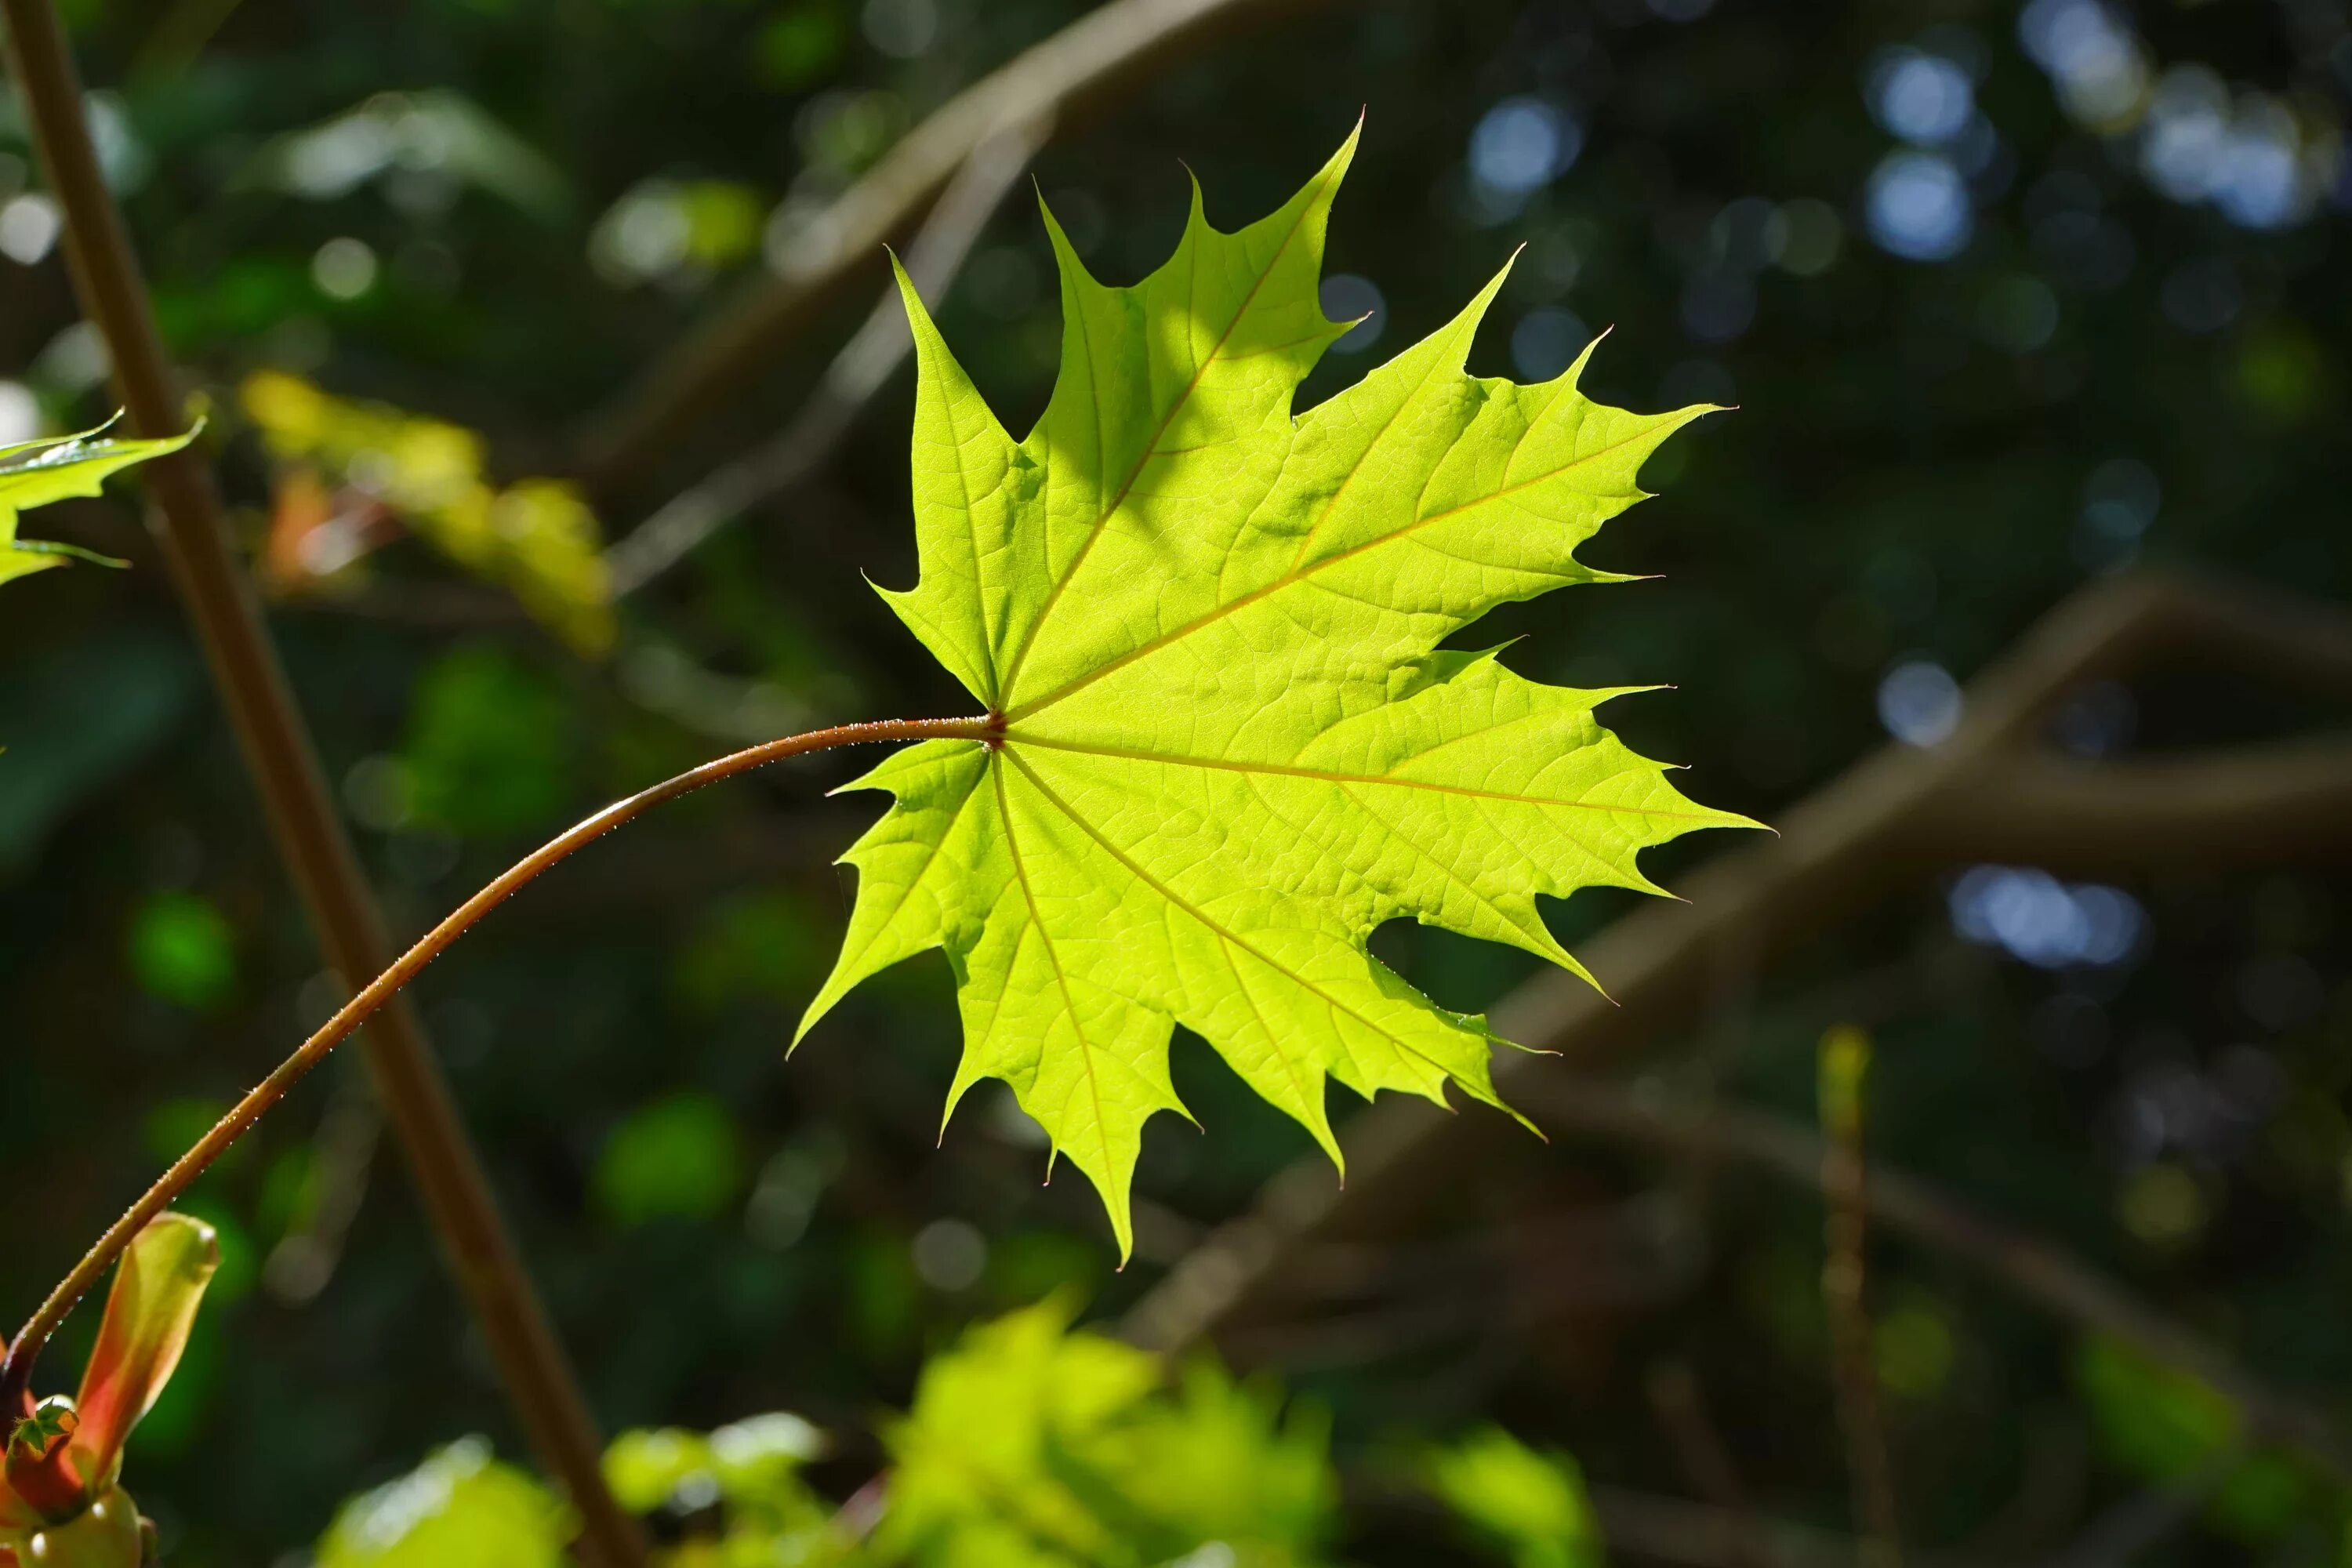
(16, 1371)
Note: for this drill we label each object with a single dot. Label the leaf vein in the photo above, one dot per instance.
(1036, 704)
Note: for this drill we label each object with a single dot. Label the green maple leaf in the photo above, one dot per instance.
(1229, 743)
(34, 473)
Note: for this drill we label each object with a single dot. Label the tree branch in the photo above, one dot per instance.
(1058, 81)
(855, 374)
(2247, 806)
(2036, 1269)
(1839, 851)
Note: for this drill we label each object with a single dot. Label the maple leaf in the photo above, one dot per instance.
(1226, 744)
(34, 473)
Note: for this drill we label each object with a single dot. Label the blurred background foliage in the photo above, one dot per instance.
(2010, 297)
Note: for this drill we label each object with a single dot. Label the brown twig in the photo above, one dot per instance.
(2250, 805)
(187, 518)
(1897, 817)
(1057, 81)
(858, 372)
(380, 991)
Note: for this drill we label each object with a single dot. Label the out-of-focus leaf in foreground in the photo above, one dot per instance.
(1030, 1445)
(1034, 1445)
(460, 1509)
(1530, 1505)
(391, 468)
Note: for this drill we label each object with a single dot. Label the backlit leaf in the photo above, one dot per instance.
(1231, 743)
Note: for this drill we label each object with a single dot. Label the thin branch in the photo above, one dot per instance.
(371, 1000)
(2133, 1528)
(1853, 1362)
(2036, 1269)
(2247, 804)
(1705, 1460)
(1084, 65)
(187, 518)
(801, 448)
(1839, 851)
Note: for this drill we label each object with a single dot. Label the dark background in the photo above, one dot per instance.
(2009, 303)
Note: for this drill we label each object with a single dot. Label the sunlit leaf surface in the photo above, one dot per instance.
(1231, 746)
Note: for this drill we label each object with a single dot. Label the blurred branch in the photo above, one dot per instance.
(855, 374)
(1653, 1528)
(1841, 849)
(2041, 1272)
(2250, 804)
(1854, 1364)
(2126, 1532)
(1705, 1460)
(1085, 66)
(1509, 1280)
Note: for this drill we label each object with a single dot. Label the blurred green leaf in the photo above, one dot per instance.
(2162, 1426)
(436, 132)
(537, 537)
(681, 1157)
(764, 946)
(1033, 1445)
(753, 1466)
(183, 949)
(491, 744)
(800, 43)
(460, 1509)
(1530, 1505)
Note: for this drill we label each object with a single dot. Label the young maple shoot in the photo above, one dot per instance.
(1225, 742)
(61, 1503)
